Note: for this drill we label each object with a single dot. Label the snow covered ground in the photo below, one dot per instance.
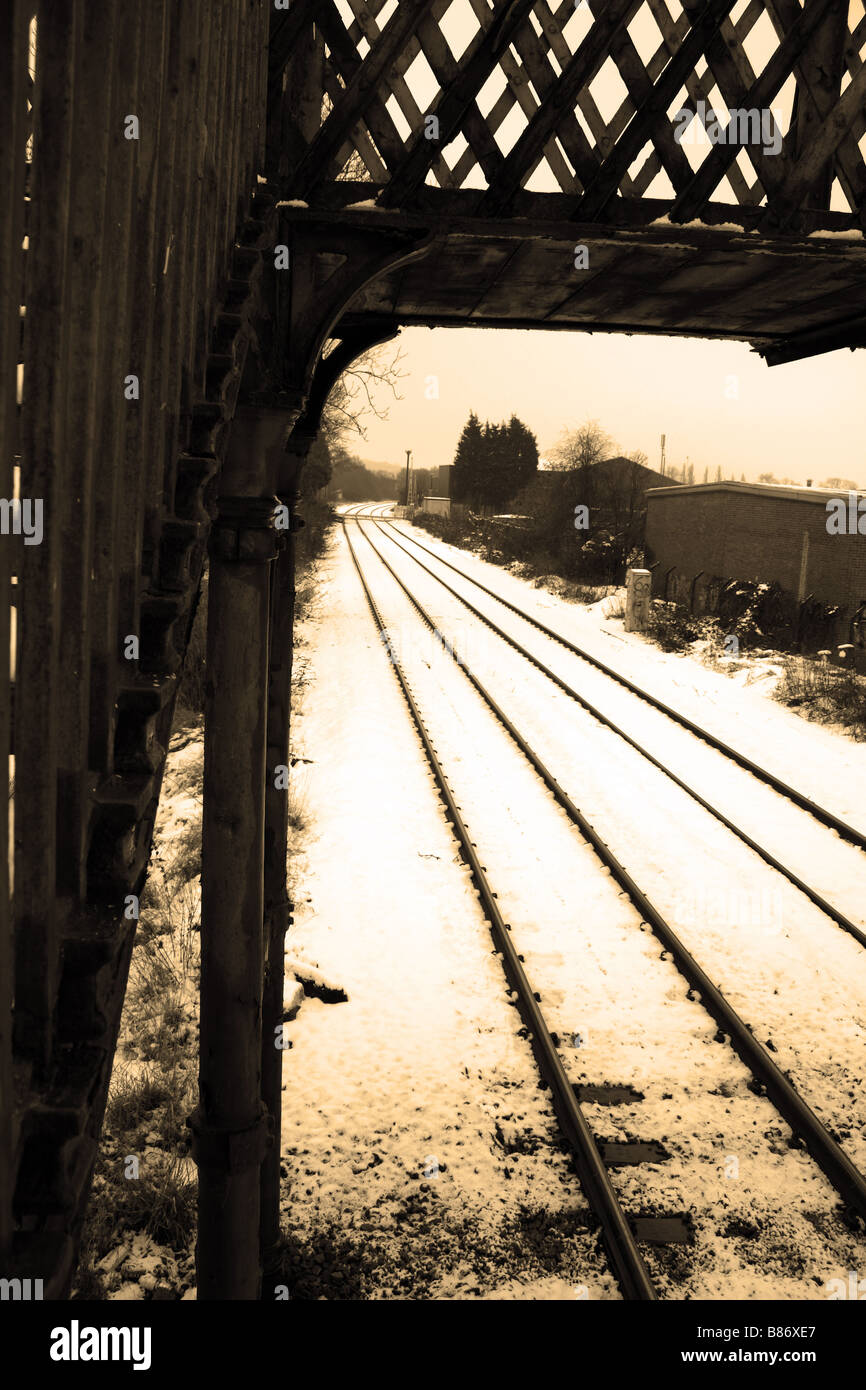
(774, 953)
(422, 1157)
(421, 1152)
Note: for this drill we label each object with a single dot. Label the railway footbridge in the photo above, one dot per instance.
(212, 209)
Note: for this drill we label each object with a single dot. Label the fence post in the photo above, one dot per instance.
(692, 591)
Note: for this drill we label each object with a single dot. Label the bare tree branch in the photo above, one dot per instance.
(580, 448)
(358, 393)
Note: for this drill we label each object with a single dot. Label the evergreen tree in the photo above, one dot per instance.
(493, 462)
(468, 461)
(523, 450)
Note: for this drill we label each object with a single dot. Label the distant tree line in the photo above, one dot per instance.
(843, 484)
(330, 470)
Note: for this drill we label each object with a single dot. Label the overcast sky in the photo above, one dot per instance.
(717, 403)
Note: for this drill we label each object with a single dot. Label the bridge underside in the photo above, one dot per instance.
(708, 155)
(788, 298)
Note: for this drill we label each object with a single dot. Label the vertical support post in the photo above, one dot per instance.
(824, 61)
(230, 1129)
(296, 85)
(277, 905)
(13, 143)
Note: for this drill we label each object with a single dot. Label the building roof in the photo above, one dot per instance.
(624, 468)
(792, 492)
(618, 468)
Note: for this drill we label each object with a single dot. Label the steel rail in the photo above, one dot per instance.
(848, 1181)
(842, 828)
(826, 907)
(623, 1252)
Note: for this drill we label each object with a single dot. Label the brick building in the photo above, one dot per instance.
(756, 531)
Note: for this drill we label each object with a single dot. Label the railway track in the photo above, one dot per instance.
(620, 1231)
(820, 813)
(825, 817)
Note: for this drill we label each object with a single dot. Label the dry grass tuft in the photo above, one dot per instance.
(824, 693)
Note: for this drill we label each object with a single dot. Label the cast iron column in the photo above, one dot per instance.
(230, 1126)
(277, 905)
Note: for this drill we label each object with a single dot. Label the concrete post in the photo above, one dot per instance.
(638, 587)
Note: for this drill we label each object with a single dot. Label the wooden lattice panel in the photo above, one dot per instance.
(606, 103)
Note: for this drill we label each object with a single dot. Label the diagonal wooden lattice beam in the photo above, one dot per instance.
(634, 75)
(584, 156)
(360, 92)
(729, 64)
(367, 28)
(811, 164)
(673, 32)
(698, 92)
(454, 102)
(825, 57)
(575, 144)
(849, 162)
(705, 20)
(517, 93)
(534, 50)
(586, 62)
(359, 142)
(757, 98)
(429, 44)
(476, 131)
(347, 63)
